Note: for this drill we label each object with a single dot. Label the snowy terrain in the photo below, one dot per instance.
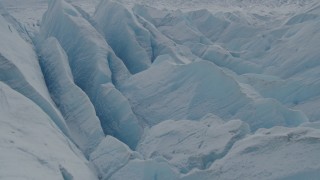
(159, 89)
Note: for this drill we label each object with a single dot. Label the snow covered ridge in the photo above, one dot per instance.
(138, 92)
(261, 6)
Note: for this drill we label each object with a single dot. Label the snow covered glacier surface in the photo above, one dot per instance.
(159, 90)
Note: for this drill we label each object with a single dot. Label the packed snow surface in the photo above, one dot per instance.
(159, 89)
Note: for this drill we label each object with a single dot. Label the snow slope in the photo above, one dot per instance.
(192, 144)
(170, 91)
(277, 153)
(32, 147)
(144, 89)
(21, 71)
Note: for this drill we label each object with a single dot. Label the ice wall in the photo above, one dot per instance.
(93, 65)
(20, 70)
(129, 40)
(72, 102)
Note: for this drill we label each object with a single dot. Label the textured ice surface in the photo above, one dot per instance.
(22, 72)
(93, 65)
(192, 144)
(296, 93)
(145, 170)
(277, 153)
(115, 160)
(111, 155)
(133, 44)
(171, 91)
(73, 103)
(31, 146)
(191, 83)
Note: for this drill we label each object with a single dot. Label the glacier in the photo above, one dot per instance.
(269, 154)
(82, 121)
(25, 153)
(193, 90)
(159, 90)
(176, 141)
(91, 70)
(21, 71)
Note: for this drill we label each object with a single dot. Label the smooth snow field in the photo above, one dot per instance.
(159, 90)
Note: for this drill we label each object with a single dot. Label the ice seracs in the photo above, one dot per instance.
(90, 57)
(172, 91)
(72, 102)
(133, 45)
(230, 91)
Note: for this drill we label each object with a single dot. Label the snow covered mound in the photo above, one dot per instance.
(277, 153)
(192, 144)
(170, 91)
(111, 155)
(162, 90)
(262, 8)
